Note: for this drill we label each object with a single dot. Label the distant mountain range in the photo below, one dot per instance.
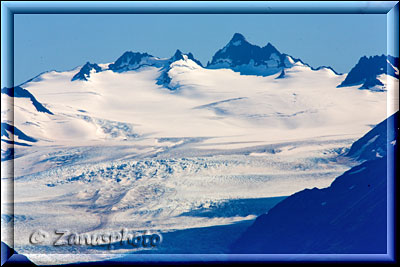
(349, 216)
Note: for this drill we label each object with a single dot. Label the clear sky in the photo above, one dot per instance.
(62, 42)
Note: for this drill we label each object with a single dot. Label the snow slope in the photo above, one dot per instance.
(230, 104)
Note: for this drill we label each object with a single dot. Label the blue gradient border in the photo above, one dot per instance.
(392, 36)
(391, 8)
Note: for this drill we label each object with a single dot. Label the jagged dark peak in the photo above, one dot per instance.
(177, 56)
(180, 56)
(129, 58)
(237, 39)
(132, 55)
(238, 36)
(367, 69)
(89, 65)
(240, 52)
(84, 72)
(269, 48)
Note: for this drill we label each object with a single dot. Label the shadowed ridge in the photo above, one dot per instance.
(21, 92)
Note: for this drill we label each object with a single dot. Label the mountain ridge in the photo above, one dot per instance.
(367, 70)
(349, 216)
(23, 93)
(249, 59)
(238, 55)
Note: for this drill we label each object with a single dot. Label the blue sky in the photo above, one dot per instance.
(61, 42)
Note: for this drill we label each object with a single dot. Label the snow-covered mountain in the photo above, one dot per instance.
(164, 79)
(181, 56)
(370, 71)
(134, 60)
(84, 72)
(241, 56)
(248, 59)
